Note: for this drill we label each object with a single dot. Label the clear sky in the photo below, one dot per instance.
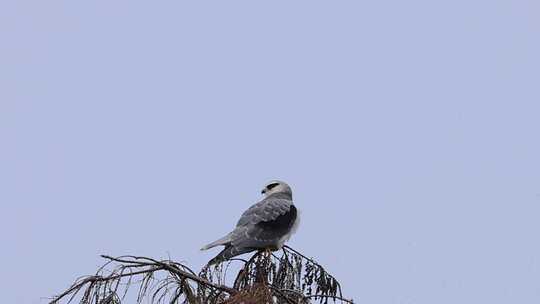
(409, 131)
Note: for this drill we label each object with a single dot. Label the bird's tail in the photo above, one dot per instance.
(227, 253)
(222, 241)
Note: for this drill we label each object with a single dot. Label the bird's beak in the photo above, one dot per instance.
(263, 191)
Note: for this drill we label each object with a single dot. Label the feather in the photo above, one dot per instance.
(222, 241)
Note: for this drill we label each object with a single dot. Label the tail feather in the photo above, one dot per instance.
(227, 253)
(222, 241)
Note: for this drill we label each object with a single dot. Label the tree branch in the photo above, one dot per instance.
(179, 272)
(289, 279)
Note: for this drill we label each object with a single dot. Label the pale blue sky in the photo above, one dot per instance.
(407, 129)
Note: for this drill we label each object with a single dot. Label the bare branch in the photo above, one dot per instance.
(173, 268)
(266, 277)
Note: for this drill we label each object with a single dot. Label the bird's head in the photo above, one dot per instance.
(276, 186)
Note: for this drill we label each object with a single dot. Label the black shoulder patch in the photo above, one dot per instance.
(282, 223)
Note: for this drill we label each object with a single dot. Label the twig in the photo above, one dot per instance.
(283, 295)
(92, 279)
(331, 297)
(319, 265)
(181, 273)
(281, 276)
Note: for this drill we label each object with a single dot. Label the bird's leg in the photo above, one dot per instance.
(268, 253)
(262, 266)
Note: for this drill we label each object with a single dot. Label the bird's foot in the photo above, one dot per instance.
(268, 252)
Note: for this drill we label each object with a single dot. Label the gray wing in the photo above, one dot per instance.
(264, 224)
(265, 210)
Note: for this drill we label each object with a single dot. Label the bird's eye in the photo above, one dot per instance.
(272, 185)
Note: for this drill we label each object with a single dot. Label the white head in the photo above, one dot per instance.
(276, 186)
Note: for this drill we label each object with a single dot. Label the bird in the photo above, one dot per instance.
(266, 225)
